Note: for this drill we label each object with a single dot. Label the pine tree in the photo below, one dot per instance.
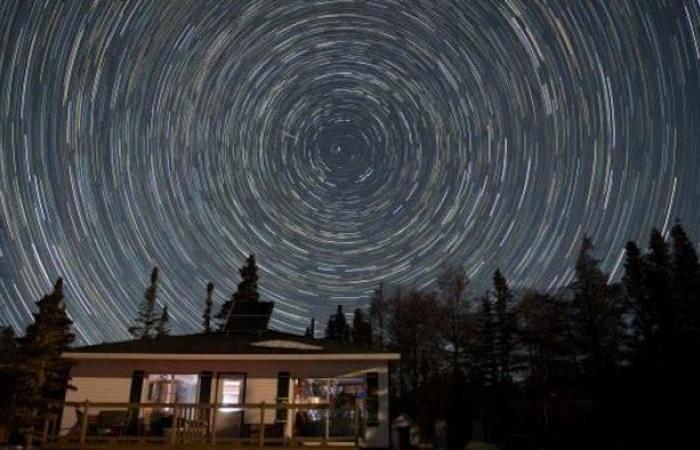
(146, 320)
(635, 284)
(505, 326)
(43, 374)
(379, 310)
(8, 379)
(657, 309)
(162, 327)
(337, 328)
(684, 337)
(208, 302)
(361, 330)
(453, 285)
(247, 290)
(484, 355)
(596, 318)
(686, 285)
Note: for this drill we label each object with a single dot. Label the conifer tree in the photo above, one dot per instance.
(596, 319)
(685, 335)
(146, 320)
(361, 330)
(484, 355)
(453, 285)
(505, 326)
(42, 372)
(686, 281)
(658, 307)
(337, 328)
(162, 327)
(208, 302)
(379, 317)
(635, 284)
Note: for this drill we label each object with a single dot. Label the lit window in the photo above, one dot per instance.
(230, 394)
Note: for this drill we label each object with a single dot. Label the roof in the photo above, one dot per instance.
(269, 342)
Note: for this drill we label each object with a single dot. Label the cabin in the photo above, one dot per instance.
(244, 385)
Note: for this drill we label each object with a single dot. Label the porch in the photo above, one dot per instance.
(100, 425)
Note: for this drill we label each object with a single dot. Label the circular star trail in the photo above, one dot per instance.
(344, 143)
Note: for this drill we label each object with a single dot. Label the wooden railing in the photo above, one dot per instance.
(197, 424)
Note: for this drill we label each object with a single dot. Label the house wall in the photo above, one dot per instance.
(113, 388)
(110, 381)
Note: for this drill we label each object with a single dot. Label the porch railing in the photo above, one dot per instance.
(259, 424)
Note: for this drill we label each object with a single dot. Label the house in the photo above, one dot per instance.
(214, 386)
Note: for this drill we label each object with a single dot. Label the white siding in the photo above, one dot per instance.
(94, 389)
(110, 381)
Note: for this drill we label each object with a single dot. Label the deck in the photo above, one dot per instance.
(174, 426)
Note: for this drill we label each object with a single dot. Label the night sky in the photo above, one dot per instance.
(344, 143)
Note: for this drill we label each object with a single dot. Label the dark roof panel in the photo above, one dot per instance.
(265, 342)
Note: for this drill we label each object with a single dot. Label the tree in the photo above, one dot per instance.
(484, 371)
(43, 374)
(505, 327)
(413, 332)
(247, 290)
(146, 320)
(337, 328)
(8, 380)
(596, 319)
(163, 324)
(453, 285)
(544, 334)
(208, 302)
(657, 309)
(686, 290)
(361, 330)
(379, 310)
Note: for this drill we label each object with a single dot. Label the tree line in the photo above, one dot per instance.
(594, 365)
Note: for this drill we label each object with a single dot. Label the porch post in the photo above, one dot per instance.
(261, 434)
(84, 424)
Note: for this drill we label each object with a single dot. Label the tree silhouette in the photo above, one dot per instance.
(43, 374)
(361, 330)
(337, 328)
(208, 302)
(379, 310)
(162, 327)
(146, 320)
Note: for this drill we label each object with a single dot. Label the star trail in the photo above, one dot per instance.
(344, 143)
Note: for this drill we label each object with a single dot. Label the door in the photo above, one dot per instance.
(230, 395)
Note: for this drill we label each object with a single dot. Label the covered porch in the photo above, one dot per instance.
(190, 425)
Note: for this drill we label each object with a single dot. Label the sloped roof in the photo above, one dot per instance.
(219, 343)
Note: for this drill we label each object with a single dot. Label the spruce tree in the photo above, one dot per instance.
(146, 320)
(361, 330)
(658, 307)
(686, 284)
(685, 334)
(337, 328)
(453, 285)
(484, 354)
(162, 327)
(596, 318)
(208, 302)
(43, 374)
(505, 326)
(635, 284)
(379, 310)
